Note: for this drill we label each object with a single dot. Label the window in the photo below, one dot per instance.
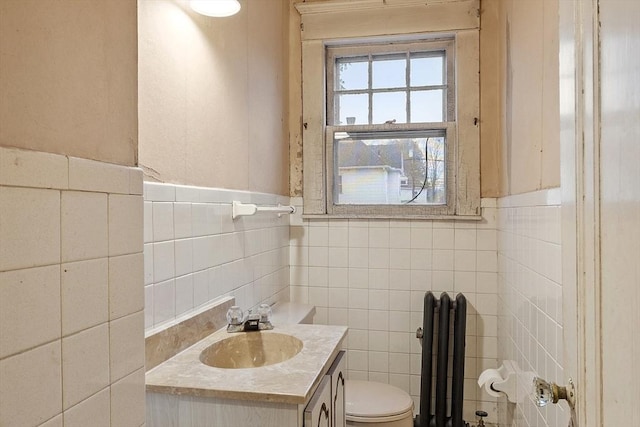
(390, 109)
(399, 83)
(390, 121)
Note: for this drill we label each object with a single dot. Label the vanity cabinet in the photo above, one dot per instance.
(184, 391)
(337, 374)
(317, 413)
(327, 406)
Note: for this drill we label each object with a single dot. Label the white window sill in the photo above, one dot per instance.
(395, 217)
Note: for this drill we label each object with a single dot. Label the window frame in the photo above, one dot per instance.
(390, 47)
(334, 52)
(331, 22)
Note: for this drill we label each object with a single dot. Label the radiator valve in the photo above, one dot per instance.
(481, 414)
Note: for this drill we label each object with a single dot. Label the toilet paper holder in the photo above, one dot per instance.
(514, 383)
(507, 380)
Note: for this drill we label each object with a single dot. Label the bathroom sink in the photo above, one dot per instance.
(251, 350)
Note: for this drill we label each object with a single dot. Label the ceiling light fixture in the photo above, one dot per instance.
(215, 8)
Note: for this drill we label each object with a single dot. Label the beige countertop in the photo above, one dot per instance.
(291, 381)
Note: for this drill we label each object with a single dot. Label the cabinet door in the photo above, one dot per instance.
(337, 373)
(317, 412)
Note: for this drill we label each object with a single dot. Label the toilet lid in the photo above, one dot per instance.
(371, 399)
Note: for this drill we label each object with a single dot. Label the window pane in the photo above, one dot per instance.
(352, 108)
(390, 169)
(389, 106)
(352, 73)
(427, 106)
(389, 72)
(434, 191)
(427, 71)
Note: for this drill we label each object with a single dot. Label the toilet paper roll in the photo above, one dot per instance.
(502, 381)
(487, 378)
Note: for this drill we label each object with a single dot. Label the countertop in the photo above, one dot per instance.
(289, 313)
(292, 381)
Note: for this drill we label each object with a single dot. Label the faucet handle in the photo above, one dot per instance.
(264, 310)
(235, 316)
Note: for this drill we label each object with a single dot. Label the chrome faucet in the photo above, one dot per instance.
(237, 322)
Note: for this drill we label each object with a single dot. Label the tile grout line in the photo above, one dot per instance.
(62, 388)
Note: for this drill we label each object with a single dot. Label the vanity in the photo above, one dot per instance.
(292, 376)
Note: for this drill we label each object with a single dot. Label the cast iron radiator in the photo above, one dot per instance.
(446, 309)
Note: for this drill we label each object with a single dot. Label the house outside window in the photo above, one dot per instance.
(390, 109)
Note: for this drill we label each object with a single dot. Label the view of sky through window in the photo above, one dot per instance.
(382, 83)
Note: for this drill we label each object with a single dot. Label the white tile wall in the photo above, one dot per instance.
(530, 297)
(126, 401)
(85, 362)
(101, 177)
(31, 386)
(29, 308)
(372, 276)
(33, 169)
(194, 252)
(126, 296)
(65, 300)
(92, 412)
(54, 422)
(126, 350)
(85, 294)
(126, 215)
(84, 225)
(71, 274)
(30, 227)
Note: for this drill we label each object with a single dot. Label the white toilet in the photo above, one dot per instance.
(367, 403)
(372, 404)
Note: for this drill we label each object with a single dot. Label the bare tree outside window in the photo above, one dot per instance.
(425, 171)
(435, 183)
(415, 168)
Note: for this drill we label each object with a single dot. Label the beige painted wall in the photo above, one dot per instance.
(528, 66)
(491, 98)
(213, 94)
(68, 78)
